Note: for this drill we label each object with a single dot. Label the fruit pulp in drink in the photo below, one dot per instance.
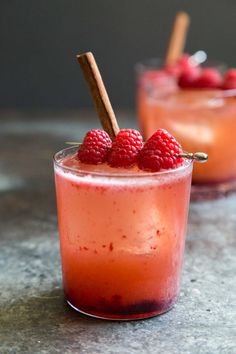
(122, 235)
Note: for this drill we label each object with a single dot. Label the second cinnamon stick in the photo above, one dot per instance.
(177, 38)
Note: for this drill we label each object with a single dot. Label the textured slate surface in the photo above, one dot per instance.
(33, 315)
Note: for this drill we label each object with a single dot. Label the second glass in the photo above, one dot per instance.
(200, 119)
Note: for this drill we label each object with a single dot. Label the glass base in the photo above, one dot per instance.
(201, 192)
(122, 317)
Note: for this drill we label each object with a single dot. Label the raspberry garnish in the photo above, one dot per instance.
(173, 69)
(189, 76)
(95, 147)
(229, 80)
(209, 78)
(184, 65)
(125, 148)
(185, 62)
(160, 151)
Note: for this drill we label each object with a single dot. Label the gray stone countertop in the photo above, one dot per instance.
(33, 315)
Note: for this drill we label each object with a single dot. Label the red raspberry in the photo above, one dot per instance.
(184, 64)
(160, 152)
(173, 70)
(185, 61)
(95, 147)
(229, 82)
(189, 76)
(125, 148)
(209, 78)
(230, 74)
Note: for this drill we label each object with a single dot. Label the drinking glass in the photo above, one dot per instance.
(122, 237)
(200, 119)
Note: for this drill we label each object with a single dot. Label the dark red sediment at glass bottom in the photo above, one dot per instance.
(115, 310)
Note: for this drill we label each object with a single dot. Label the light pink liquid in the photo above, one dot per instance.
(122, 238)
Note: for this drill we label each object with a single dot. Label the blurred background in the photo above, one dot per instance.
(39, 41)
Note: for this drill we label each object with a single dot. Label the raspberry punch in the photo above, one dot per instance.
(196, 102)
(199, 118)
(122, 234)
(122, 214)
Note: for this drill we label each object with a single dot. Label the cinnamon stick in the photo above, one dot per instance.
(177, 38)
(98, 92)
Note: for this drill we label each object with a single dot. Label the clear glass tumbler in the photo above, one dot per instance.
(122, 238)
(200, 119)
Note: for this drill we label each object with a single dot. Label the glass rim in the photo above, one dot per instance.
(158, 62)
(147, 64)
(154, 63)
(188, 163)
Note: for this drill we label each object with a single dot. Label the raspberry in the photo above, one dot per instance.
(209, 78)
(173, 69)
(95, 147)
(229, 82)
(185, 62)
(230, 74)
(160, 152)
(125, 148)
(189, 76)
